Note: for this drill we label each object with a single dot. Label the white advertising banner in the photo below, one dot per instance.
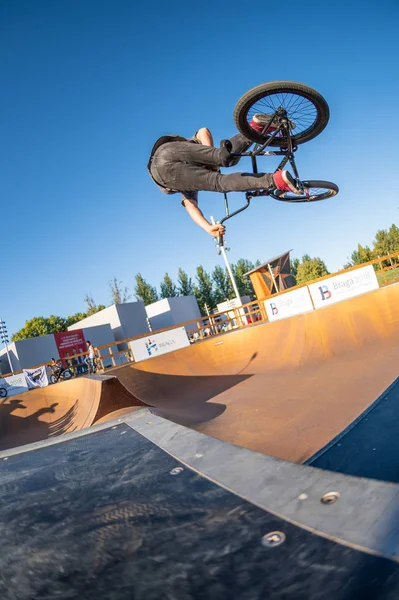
(160, 343)
(288, 304)
(36, 377)
(343, 286)
(14, 384)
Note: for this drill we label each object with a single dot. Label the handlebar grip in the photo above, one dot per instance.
(220, 239)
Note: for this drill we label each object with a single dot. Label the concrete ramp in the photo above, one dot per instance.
(61, 408)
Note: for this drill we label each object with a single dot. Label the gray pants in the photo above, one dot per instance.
(186, 167)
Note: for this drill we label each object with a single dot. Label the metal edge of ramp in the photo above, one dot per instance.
(363, 516)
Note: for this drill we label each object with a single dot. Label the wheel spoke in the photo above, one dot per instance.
(299, 109)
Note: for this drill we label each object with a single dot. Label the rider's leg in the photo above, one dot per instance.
(239, 144)
(197, 154)
(190, 177)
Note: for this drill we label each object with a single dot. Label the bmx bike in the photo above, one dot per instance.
(60, 374)
(296, 114)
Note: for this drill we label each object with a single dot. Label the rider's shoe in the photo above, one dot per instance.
(260, 120)
(225, 152)
(285, 182)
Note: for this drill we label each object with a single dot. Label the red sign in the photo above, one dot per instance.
(70, 343)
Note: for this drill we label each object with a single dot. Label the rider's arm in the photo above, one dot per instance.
(191, 206)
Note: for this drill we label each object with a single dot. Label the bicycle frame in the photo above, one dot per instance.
(259, 150)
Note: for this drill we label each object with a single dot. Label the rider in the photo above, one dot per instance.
(56, 366)
(189, 165)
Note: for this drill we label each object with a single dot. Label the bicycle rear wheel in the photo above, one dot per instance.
(305, 107)
(313, 191)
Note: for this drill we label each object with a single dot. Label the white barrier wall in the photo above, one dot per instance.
(288, 304)
(160, 343)
(341, 287)
(14, 384)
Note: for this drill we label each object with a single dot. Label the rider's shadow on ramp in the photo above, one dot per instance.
(19, 429)
(184, 399)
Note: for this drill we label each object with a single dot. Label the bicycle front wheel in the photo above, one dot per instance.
(305, 107)
(313, 191)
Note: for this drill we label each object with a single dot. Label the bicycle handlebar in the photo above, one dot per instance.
(233, 214)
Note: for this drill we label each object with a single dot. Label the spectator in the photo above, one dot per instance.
(91, 357)
(82, 361)
(75, 363)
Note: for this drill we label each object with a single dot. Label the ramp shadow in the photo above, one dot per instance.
(368, 447)
(180, 398)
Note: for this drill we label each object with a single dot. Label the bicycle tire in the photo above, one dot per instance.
(312, 122)
(317, 190)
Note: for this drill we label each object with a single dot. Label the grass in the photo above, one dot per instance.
(385, 277)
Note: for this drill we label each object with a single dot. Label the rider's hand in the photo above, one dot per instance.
(215, 230)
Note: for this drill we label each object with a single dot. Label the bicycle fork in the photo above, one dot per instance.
(288, 154)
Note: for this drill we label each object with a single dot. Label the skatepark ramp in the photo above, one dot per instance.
(62, 408)
(286, 388)
(145, 504)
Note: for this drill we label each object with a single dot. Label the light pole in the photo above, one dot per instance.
(5, 340)
(222, 250)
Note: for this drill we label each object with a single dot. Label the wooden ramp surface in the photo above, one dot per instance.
(61, 408)
(285, 388)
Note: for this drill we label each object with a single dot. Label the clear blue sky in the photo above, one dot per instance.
(88, 85)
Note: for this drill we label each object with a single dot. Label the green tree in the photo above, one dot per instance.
(185, 284)
(294, 268)
(119, 294)
(144, 291)
(92, 306)
(310, 268)
(75, 318)
(223, 289)
(394, 237)
(38, 326)
(243, 281)
(386, 242)
(204, 290)
(168, 288)
(362, 255)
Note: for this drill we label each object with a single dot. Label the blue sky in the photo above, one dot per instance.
(87, 87)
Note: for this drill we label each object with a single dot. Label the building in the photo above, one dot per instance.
(35, 351)
(272, 277)
(126, 320)
(170, 312)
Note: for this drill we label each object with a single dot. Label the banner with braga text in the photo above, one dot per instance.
(343, 286)
(70, 343)
(288, 304)
(159, 343)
